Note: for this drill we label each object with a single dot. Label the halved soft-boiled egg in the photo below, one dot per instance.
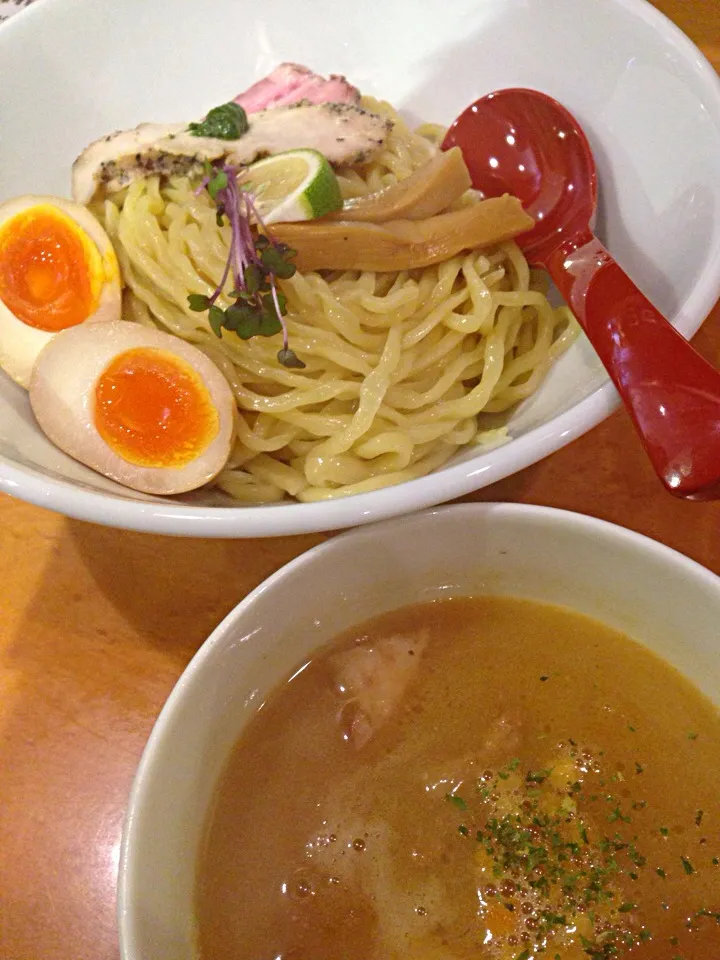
(58, 269)
(139, 406)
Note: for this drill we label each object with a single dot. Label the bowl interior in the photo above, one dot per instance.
(660, 598)
(648, 101)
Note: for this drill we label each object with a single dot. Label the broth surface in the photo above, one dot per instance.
(472, 778)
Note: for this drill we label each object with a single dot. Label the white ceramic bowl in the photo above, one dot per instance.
(72, 70)
(627, 581)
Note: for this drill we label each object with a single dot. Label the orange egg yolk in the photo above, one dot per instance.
(153, 410)
(50, 270)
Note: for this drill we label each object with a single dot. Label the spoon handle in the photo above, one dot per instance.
(670, 391)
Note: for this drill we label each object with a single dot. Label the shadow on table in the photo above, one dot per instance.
(175, 591)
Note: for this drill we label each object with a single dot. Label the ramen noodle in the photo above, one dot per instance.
(402, 368)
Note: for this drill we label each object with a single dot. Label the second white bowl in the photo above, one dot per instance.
(661, 598)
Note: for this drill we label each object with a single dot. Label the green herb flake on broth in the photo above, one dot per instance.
(535, 847)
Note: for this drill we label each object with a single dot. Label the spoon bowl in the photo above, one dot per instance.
(525, 143)
(553, 176)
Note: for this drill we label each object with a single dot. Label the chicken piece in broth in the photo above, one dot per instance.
(372, 680)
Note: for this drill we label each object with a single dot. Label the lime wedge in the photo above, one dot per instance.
(293, 186)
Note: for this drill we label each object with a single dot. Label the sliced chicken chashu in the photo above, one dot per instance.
(114, 161)
(343, 132)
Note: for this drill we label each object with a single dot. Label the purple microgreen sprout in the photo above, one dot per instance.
(256, 264)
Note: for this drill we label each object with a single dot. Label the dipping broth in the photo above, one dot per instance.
(474, 778)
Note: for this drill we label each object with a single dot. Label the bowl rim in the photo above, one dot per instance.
(293, 518)
(474, 513)
(290, 518)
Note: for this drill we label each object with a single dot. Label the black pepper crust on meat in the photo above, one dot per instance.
(343, 132)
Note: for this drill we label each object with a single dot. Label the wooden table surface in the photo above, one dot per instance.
(96, 626)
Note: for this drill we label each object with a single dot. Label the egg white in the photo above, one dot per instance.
(62, 396)
(21, 343)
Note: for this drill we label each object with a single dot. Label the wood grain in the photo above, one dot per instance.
(96, 626)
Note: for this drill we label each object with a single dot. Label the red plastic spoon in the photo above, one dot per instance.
(524, 143)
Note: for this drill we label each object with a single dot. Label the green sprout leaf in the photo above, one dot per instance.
(199, 302)
(274, 260)
(288, 358)
(218, 183)
(216, 319)
(270, 323)
(253, 278)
